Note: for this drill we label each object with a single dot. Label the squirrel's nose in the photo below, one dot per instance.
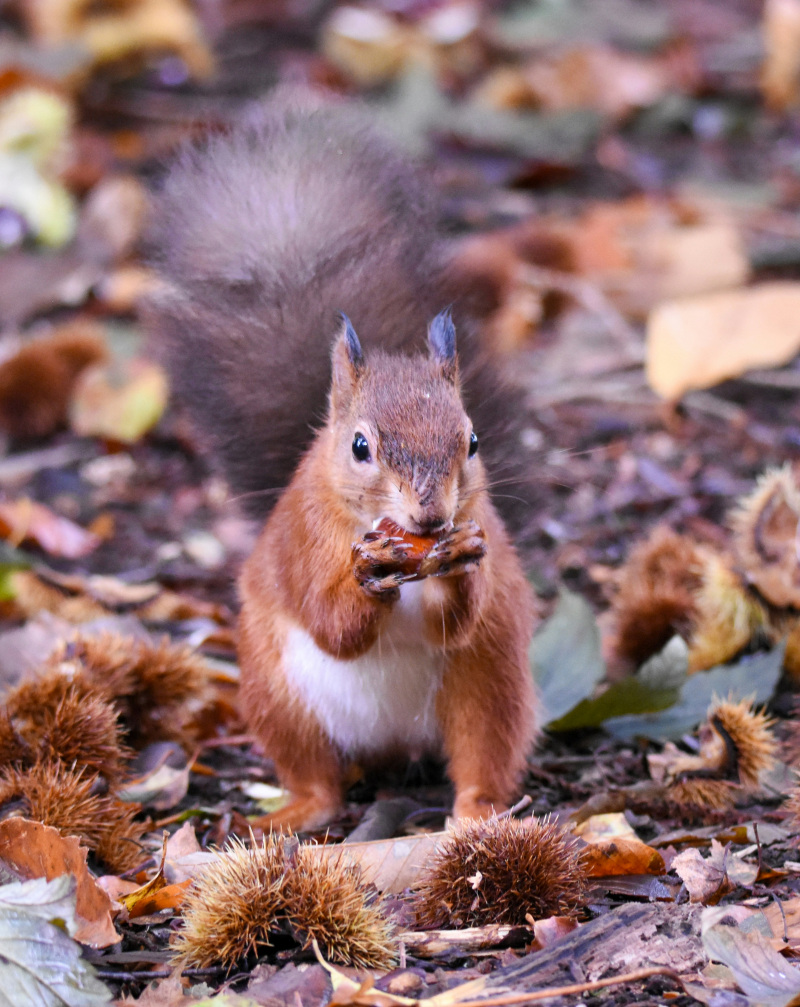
(430, 524)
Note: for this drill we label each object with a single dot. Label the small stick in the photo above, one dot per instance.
(521, 804)
(560, 991)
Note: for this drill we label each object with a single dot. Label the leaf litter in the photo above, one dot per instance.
(619, 173)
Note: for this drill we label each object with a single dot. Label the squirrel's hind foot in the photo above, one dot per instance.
(302, 815)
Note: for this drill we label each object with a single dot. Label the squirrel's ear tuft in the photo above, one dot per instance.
(442, 340)
(348, 364)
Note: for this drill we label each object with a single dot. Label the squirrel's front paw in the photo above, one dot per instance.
(458, 552)
(380, 565)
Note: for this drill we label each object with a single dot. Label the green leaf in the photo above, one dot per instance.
(668, 668)
(566, 656)
(40, 966)
(629, 696)
(755, 676)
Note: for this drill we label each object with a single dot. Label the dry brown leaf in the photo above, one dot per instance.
(642, 251)
(780, 73)
(25, 520)
(552, 929)
(708, 879)
(698, 342)
(596, 76)
(623, 855)
(168, 897)
(392, 865)
(160, 789)
(600, 828)
(786, 914)
(114, 886)
(34, 850)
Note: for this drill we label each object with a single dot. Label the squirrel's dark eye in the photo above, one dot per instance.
(473, 443)
(360, 448)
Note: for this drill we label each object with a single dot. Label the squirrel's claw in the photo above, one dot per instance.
(377, 566)
(457, 553)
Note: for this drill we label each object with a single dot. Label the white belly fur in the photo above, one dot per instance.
(381, 700)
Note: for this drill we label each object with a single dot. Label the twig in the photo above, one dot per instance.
(28, 463)
(758, 844)
(560, 991)
(521, 804)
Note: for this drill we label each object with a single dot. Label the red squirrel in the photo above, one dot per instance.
(284, 245)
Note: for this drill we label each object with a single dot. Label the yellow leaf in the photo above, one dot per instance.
(699, 341)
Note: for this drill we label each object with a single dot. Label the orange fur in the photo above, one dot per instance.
(300, 580)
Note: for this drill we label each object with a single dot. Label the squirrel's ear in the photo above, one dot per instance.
(442, 340)
(348, 364)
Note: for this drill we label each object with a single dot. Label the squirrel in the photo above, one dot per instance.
(284, 245)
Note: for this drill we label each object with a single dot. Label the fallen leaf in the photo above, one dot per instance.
(25, 520)
(167, 897)
(162, 788)
(552, 929)
(599, 828)
(706, 878)
(597, 77)
(754, 676)
(392, 865)
(182, 843)
(763, 833)
(642, 251)
(623, 855)
(630, 699)
(34, 850)
(39, 963)
(787, 915)
(566, 656)
(700, 341)
(120, 400)
(759, 971)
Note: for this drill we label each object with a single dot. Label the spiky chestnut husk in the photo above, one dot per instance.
(248, 894)
(788, 629)
(233, 906)
(728, 617)
(765, 527)
(501, 871)
(700, 796)
(326, 901)
(74, 802)
(157, 688)
(63, 718)
(749, 733)
(13, 749)
(656, 597)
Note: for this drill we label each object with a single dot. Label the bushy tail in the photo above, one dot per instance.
(263, 235)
